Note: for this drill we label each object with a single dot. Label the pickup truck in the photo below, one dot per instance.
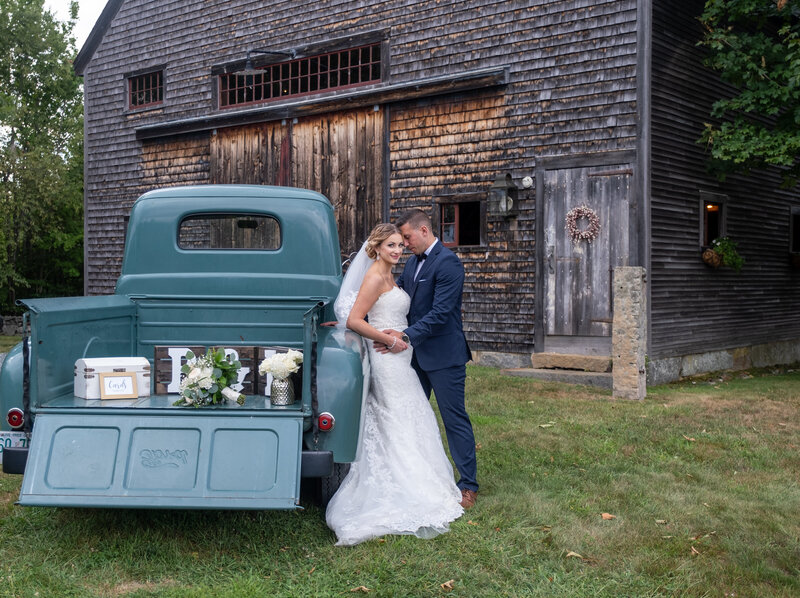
(247, 268)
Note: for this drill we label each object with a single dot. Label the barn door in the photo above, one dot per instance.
(340, 154)
(578, 275)
(251, 155)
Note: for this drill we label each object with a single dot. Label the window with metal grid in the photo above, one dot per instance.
(324, 72)
(145, 90)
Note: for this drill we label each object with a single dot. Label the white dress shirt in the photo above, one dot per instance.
(421, 262)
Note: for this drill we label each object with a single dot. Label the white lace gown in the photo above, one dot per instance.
(401, 481)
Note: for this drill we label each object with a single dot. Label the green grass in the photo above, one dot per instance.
(701, 477)
(7, 342)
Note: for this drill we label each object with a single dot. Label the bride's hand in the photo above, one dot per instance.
(396, 345)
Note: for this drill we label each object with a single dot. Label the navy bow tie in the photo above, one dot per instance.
(421, 257)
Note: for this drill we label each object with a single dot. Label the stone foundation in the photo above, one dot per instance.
(669, 369)
(11, 326)
(494, 359)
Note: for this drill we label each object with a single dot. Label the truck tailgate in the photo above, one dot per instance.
(205, 459)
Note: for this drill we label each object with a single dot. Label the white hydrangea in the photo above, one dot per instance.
(281, 365)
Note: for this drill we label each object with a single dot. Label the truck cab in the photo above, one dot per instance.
(251, 269)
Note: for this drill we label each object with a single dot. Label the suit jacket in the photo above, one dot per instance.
(434, 318)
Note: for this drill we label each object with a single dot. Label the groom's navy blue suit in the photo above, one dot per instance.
(440, 348)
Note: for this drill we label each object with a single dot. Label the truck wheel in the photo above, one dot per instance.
(328, 486)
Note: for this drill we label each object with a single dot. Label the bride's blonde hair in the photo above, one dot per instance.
(378, 235)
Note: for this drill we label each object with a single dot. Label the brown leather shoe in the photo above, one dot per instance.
(468, 498)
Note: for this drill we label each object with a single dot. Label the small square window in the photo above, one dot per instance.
(460, 223)
(145, 90)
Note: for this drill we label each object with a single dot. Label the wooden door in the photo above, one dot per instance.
(340, 154)
(578, 275)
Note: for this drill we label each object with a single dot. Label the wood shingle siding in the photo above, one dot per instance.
(571, 87)
(470, 91)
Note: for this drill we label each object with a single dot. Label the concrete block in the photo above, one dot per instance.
(779, 353)
(586, 363)
(662, 371)
(701, 363)
(500, 360)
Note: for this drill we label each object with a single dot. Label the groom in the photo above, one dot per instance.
(434, 278)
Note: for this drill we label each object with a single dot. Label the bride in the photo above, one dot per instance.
(401, 481)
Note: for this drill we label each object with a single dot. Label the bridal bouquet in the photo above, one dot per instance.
(281, 365)
(208, 378)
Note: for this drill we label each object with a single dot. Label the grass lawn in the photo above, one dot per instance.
(700, 484)
(8, 342)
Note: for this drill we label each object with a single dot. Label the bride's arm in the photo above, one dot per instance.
(367, 296)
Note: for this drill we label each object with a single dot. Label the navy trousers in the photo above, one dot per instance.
(448, 386)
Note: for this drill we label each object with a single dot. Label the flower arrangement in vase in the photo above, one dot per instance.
(281, 366)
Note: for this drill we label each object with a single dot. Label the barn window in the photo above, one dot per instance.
(461, 223)
(323, 72)
(229, 231)
(794, 231)
(145, 90)
(712, 224)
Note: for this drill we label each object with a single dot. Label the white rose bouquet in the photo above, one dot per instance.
(281, 365)
(208, 379)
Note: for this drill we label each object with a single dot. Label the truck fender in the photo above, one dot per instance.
(11, 380)
(342, 382)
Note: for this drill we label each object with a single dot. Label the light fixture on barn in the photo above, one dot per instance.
(249, 69)
(502, 197)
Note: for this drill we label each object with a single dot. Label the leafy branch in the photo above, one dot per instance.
(755, 46)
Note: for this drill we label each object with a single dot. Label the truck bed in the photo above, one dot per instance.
(165, 402)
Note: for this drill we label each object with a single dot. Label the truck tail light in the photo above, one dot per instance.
(326, 421)
(15, 418)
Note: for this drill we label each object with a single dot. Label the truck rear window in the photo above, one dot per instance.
(229, 231)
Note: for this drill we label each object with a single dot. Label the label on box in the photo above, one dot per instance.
(12, 439)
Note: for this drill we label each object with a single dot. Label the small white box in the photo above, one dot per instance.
(87, 374)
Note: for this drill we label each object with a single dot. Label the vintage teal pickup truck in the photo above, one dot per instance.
(247, 268)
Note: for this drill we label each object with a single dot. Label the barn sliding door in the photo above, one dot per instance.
(576, 277)
(340, 154)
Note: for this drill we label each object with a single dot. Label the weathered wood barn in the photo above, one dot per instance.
(457, 107)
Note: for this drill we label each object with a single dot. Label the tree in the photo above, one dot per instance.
(41, 154)
(755, 45)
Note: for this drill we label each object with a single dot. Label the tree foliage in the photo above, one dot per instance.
(755, 45)
(41, 155)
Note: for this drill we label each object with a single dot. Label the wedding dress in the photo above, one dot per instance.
(401, 481)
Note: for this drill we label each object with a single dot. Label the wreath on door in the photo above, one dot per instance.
(587, 234)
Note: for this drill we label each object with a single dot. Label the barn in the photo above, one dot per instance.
(554, 143)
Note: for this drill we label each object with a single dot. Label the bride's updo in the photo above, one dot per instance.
(378, 235)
